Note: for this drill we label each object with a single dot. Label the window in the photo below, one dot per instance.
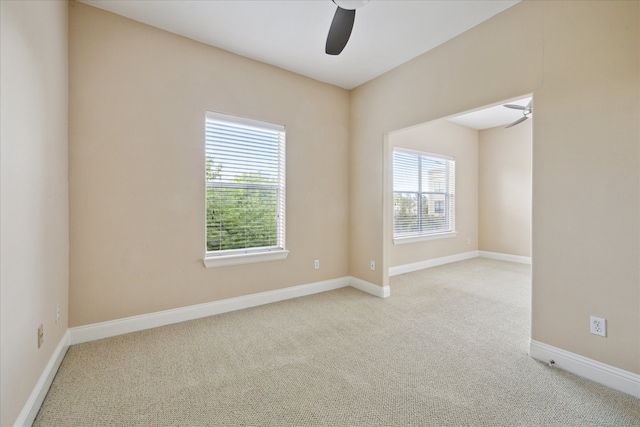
(423, 195)
(245, 173)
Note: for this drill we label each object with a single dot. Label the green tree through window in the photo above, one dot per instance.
(245, 185)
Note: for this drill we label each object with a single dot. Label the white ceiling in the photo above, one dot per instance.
(291, 34)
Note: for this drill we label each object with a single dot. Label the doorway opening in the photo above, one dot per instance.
(493, 204)
(492, 148)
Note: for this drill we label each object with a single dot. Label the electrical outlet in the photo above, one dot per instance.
(57, 313)
(468, 241)
(40, 335)
(598, 326)
(316, 264)
(373, 265)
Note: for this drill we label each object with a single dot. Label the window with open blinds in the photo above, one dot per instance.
(423, 193)
(245, 172)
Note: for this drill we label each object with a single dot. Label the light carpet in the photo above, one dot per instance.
(448, 348)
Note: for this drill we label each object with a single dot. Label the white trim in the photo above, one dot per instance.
(615, 378)
(211, 261)
(422, 153)
(245, 121)
(408, 268)
(423, 237)
(126, 325)
(30, 409)
(505, 257)
(370, 288)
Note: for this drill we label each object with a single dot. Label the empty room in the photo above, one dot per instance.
(273, 213)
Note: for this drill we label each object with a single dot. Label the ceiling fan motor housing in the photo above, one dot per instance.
(350, 4)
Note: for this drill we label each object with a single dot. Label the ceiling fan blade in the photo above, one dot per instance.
(514, 106)
(520, 120)
(340, 30)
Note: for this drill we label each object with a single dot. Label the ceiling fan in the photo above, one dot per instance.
(342, 24)
(526, 111)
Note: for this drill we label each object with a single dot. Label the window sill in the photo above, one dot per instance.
(213, 261)
(414, 239)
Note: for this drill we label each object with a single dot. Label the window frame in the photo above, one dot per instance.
(449, 193)
(227, 257)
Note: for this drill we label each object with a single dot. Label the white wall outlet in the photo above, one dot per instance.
(373, 265)
(57, 313)
(316, 264)
(468, 241)
(598, 326)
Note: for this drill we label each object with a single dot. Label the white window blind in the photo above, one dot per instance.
(423, 193)
(245, 172)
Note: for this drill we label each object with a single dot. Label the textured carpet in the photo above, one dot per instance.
(448, 348)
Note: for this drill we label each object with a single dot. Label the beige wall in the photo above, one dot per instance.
(504, 190)
(580, 60)
(137, 107)
(34, 242)
(442, 137)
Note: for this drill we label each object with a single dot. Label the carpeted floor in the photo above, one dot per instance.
(448, 348)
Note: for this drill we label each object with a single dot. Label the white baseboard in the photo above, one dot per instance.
(408, 268)
(370, 288)
(32, 406)
(505, 257)
(127, 325)
(615, 378)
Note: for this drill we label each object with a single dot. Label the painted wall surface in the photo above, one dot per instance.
(34, 242)
(504, 188)
(442, 137)
(580, 60)
(138, 99)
